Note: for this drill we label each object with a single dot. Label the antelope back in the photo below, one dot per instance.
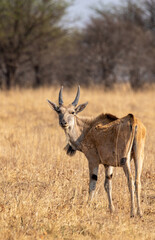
(114, 140)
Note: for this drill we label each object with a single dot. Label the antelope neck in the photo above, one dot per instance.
(76, 133)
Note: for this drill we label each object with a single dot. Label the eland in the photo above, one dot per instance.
(105, 140)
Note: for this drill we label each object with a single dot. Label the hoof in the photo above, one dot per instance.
(111, 209)
(139, 213)
(132, 215)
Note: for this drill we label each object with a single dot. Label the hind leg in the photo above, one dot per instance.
(108, 186)
(138, 160)
(127, 171)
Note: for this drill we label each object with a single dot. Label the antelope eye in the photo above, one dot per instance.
(72, 112)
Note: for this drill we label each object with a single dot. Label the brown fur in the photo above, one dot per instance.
(112, 141)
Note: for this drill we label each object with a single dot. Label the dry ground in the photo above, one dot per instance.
(43, 192)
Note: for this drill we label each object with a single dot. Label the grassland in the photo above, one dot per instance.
(43, 192)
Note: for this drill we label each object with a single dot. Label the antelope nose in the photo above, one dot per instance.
(64, 123)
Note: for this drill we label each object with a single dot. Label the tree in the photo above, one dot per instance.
(102, 41)
(139, 37)
(121, 40)
(22, 25)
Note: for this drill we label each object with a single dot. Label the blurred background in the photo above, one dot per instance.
(86, 42)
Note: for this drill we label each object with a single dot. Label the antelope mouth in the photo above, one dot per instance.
(65, 126)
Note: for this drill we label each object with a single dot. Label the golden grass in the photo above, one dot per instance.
(43, 192)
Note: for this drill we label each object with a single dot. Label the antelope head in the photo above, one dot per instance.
(67, 114)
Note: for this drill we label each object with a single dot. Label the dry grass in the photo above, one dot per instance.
(43, 192)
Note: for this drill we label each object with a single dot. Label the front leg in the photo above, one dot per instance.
(93, 164)
(93, 173)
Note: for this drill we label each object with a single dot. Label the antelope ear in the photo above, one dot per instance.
(81, 107)
(53, 105)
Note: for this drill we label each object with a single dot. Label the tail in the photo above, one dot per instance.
(133, 128)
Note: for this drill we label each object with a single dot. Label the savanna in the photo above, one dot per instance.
(44, 192)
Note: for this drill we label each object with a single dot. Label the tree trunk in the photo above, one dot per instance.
(135, 79)
(105, 75)
(10, 75)
(38, 81)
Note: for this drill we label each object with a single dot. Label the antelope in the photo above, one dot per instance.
(106, 140)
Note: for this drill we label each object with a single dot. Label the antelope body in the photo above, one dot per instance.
(106, 140)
